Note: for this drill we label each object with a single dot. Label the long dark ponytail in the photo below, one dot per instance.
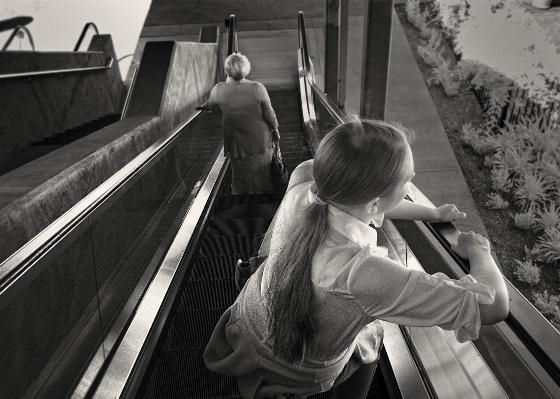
(356, 162)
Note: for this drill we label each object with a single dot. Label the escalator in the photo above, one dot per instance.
(234, 231)
(157, 303)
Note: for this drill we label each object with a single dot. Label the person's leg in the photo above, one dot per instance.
(357, 385)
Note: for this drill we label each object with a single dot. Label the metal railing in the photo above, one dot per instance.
(14, 33)
(127, 101)
(62, 72)
(83, 34)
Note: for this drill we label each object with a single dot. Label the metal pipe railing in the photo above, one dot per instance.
(61, 72)
(83, 34)
(14, 33)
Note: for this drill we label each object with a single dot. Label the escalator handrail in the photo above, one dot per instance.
(530, 326)
(304, 45)
(83, 34)
(232, 36)
(21, 267)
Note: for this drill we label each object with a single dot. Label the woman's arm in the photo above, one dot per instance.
(212, 101)
(476, 249)
(268, 112)
(410, 211)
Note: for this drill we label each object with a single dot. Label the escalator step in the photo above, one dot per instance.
(288, 117)
(283, 93)
(235, 200)
(217, 267)
(285, 103)
(183, 374)
(230, 245)
(233, 227)
(200, 324)
(201, 296)
(290, 128)
(245, 211)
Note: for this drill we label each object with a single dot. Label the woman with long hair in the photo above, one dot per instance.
(307, 319)
(250, 127)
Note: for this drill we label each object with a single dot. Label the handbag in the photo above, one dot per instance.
(244, 270)
(280, 175)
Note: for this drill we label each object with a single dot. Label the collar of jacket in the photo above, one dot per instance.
(350, 227)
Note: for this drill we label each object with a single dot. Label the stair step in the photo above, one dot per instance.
(288, 117)
(231, 245)
(204, 295)
(25, 155)
(233, 227)
(217, 267)
(249, 199)
(245, 211)
(182, 374)
(285, 103)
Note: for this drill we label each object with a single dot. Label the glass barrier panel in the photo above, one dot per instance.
(127, 235)
(56, 310)
(325, 120)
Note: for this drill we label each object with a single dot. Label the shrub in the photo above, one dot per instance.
(417, 18)
(524, 221)
(549, 164)
(507, 138)
(413, 13)
(531, 191)
(431, 51)
(528, 272)
(556, 322)
(547, 217)
(469, 133)
(550, 245)
(547, 141)
(496, 202)
(445, 76)
(546, 303)
(500, 180)
(516, 160)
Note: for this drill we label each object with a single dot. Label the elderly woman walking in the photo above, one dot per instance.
(250, 127)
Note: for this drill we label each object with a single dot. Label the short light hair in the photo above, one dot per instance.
(237, 66)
